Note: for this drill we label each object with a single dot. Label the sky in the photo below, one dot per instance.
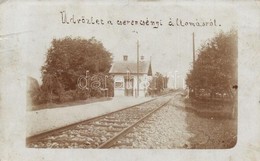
(169, 47)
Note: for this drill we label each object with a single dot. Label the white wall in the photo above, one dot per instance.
(121, 91)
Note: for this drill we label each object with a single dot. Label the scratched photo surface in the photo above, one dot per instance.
(108, 77)
(129, 80)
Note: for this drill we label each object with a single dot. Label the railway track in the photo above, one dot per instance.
(104, 131)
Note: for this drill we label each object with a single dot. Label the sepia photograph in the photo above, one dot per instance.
(156, 82)
(129, 80)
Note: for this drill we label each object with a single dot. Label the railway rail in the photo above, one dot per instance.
(101, 132)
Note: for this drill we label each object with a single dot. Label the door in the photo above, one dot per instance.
(129, 87)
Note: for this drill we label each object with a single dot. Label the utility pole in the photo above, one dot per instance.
(137, 67)
(193, 48)
(193, 42)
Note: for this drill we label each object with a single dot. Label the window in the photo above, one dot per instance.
(118, 84)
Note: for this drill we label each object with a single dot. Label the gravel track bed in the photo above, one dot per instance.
(93, 134)
(174, 127)
(164, 129)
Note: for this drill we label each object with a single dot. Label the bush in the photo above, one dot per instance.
(40, 98)
(68, 96)
(81, 94)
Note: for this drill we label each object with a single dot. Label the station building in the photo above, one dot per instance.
(125, 77)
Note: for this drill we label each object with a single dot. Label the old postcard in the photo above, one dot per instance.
(138, 79)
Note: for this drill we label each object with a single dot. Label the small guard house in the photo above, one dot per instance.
(125, 77)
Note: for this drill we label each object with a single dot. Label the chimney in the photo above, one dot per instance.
(142, 58)
(125, 57)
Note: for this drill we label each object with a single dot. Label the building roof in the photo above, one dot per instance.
(124, 66)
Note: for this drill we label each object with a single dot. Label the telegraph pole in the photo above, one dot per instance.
(193, 48)
(137, 67)
(193, 42)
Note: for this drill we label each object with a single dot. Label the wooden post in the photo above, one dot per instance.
(137, 93)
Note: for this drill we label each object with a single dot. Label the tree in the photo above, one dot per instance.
(51, 85)
(215, 70)
(69, 58)
(158, 83)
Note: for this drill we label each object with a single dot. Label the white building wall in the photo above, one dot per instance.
(121, 91)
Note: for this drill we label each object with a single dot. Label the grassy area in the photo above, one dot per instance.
(211, 133)
(211, 108)
(210, 124)
(66, 104)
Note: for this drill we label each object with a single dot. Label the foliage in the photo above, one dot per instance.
(51, 86)
(157, 84)
(68, 96)
(67, 59)
(215, 70)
